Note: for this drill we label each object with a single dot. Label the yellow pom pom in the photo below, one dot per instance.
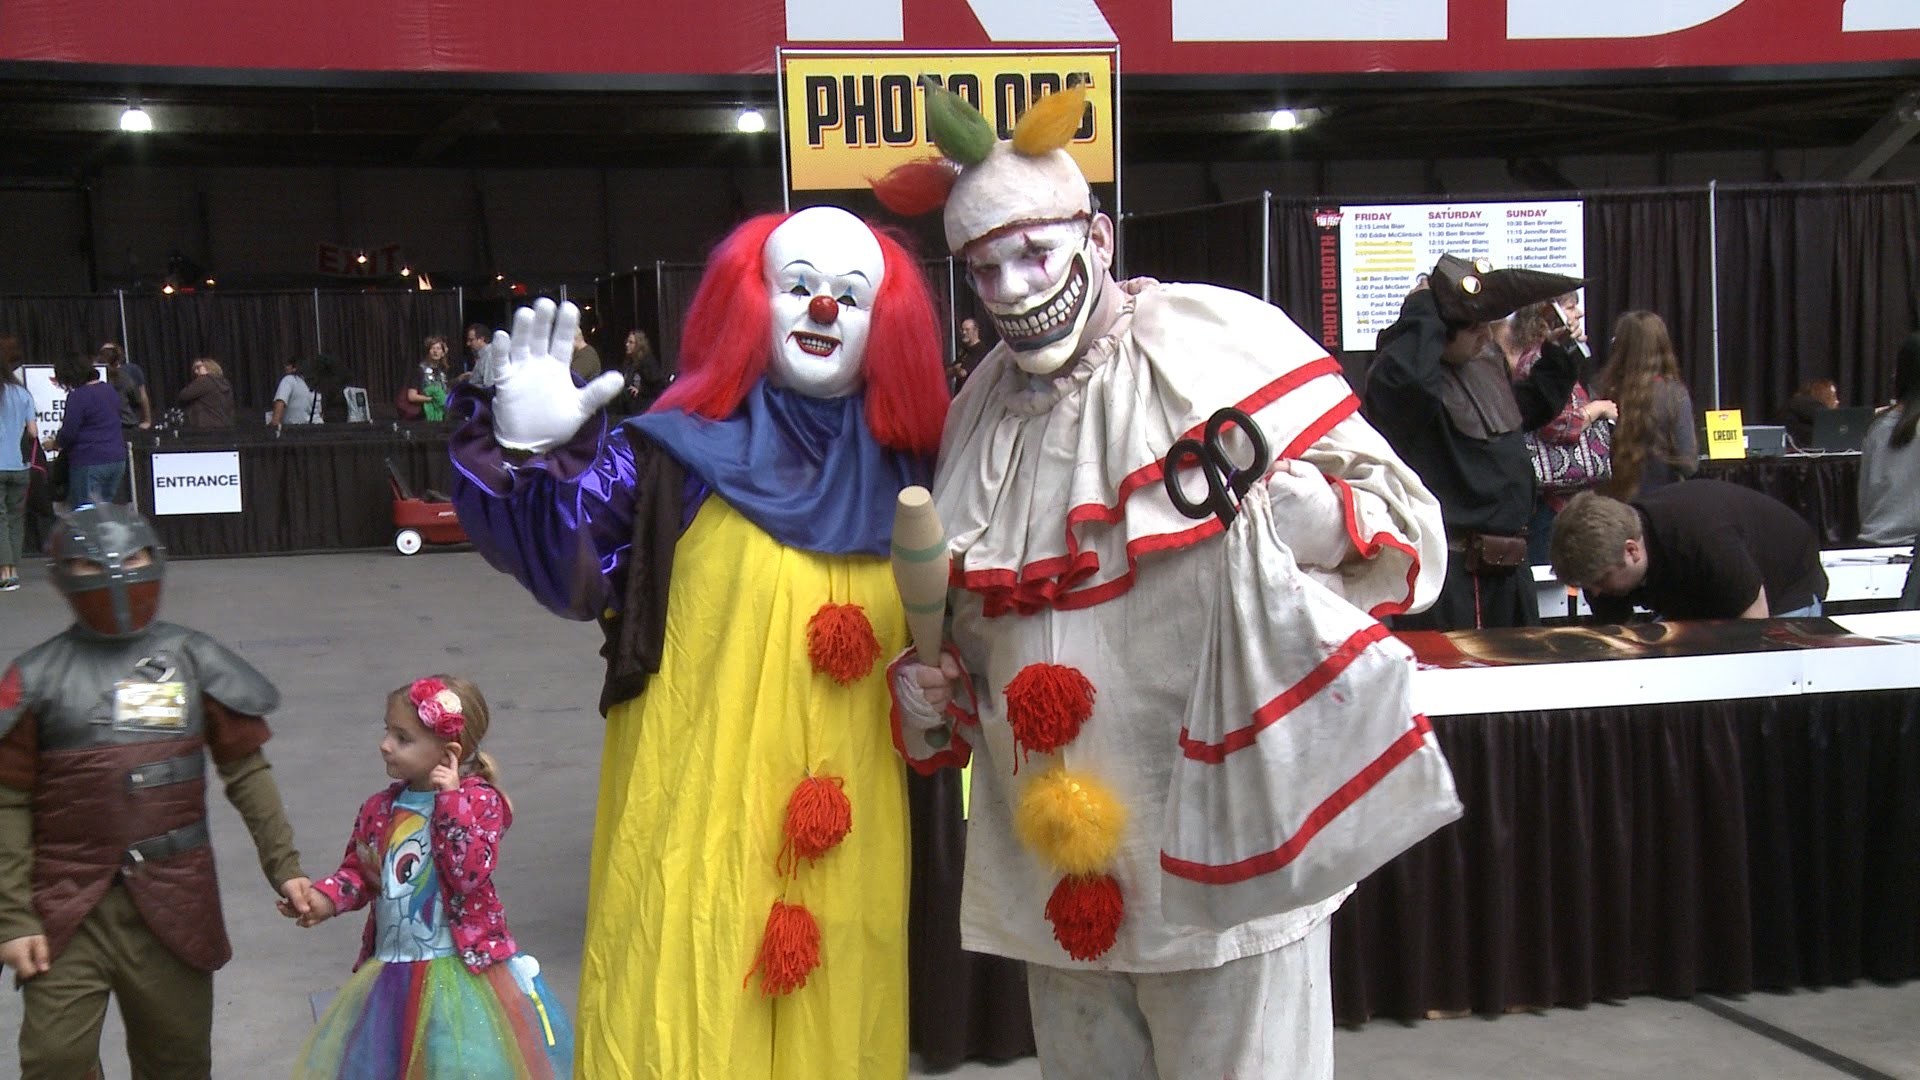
(1049, 124)
(1070, 820)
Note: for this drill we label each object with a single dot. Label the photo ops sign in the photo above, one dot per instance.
(204, 483)
(851, 117)
(49, 397)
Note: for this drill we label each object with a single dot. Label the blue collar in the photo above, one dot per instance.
(804, 469)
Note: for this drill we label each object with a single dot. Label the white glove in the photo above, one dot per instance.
(1307, 516)
(536, 407)
(916, 711)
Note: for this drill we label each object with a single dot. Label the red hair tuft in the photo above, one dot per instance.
(907, 391)
(918, 187)
(727, 337)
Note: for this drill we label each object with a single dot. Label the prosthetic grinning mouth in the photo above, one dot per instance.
(815, 344)
(1051, 320)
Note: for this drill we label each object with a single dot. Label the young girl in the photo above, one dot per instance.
(440, 989)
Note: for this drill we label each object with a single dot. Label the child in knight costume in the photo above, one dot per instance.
(1146, 833)
(747, 908)
(106, 875)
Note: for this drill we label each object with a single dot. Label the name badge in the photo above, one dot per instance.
(150, 706)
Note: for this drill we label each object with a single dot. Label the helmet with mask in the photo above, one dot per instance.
(1020, 216)
(108, 562)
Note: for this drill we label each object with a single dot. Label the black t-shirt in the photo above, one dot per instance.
(1711, 545)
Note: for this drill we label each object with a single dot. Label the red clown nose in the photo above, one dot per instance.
(824, 310)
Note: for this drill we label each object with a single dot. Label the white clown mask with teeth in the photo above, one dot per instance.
(1037, 282)
(1025, 228)
(823, 268)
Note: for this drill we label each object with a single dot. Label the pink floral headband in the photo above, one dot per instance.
(440, 709)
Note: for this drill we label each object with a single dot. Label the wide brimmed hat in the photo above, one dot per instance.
(1470, 292)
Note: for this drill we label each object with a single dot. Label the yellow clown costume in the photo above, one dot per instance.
(747, 904)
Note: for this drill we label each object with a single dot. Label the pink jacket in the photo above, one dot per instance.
(466, 825)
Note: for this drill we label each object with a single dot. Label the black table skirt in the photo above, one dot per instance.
(1656, 849)
(1825, 489)
(311, 491)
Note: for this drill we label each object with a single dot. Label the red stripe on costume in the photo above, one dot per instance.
(1371, 546)
(1349, 793)
(1288, 700)
(1327, 422)
(1051, 582)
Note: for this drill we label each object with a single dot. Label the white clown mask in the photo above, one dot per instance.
(823, 268)
(1023, 226)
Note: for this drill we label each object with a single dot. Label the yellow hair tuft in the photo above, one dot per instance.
(1070, 820)
(1050, 122)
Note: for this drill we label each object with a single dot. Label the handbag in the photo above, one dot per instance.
(1303, 764)
(1564, 468)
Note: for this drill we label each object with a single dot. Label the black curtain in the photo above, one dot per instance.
(1815, 282)
(1222, 244)
(1652, 251)
(380, 337)
(52, 327)
(251, 334)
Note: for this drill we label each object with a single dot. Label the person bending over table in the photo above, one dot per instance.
(1704, 549)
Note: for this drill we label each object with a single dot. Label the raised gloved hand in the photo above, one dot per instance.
(536, 406)
(1307, 516)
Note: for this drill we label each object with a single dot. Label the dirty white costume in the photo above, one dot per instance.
(1068, 553)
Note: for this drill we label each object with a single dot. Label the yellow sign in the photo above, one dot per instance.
(1726, 436)
(851, 117)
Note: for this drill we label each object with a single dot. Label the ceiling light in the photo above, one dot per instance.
(1284, 120)
(750, 122)
(405, 271)
(167, 289)
(424, 282)
(209, 283)
(361, 258)
(135, 118)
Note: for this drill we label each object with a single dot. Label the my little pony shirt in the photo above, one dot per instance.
(410, 916)
(427, 883)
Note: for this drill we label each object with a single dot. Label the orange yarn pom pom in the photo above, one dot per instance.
(1046, 704)
(819, 816)
(789, 950)
(1086, 913)
(840, 642)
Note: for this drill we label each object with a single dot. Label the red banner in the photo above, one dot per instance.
(1158, 37)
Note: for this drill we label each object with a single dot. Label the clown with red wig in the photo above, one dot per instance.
(748, 896)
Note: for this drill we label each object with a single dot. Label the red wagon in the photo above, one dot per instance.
(427, 518)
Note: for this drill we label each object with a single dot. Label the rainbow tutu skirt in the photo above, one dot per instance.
(436, 1020)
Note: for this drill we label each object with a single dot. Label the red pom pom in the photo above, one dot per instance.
(918, 187)
(1046, 704)
(1086, 913)
(789, 950)
(819, 816)
(840, 642)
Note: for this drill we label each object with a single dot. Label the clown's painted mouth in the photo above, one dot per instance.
(1050, 321)
(814, 344)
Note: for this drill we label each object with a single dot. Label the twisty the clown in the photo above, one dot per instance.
(747, 915)
(1082, 598)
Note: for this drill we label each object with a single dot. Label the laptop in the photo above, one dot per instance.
(1765, 440)
(1841, 429)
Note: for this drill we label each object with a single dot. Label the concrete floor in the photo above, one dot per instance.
(336, 632)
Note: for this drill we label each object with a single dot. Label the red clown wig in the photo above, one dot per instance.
(728, 339)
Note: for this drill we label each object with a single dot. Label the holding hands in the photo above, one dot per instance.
(536, 406)
(302, 902)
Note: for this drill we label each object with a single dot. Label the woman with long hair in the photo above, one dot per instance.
(428, 390)
(1654, 443)
(1890, 458)
(1522, 336)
